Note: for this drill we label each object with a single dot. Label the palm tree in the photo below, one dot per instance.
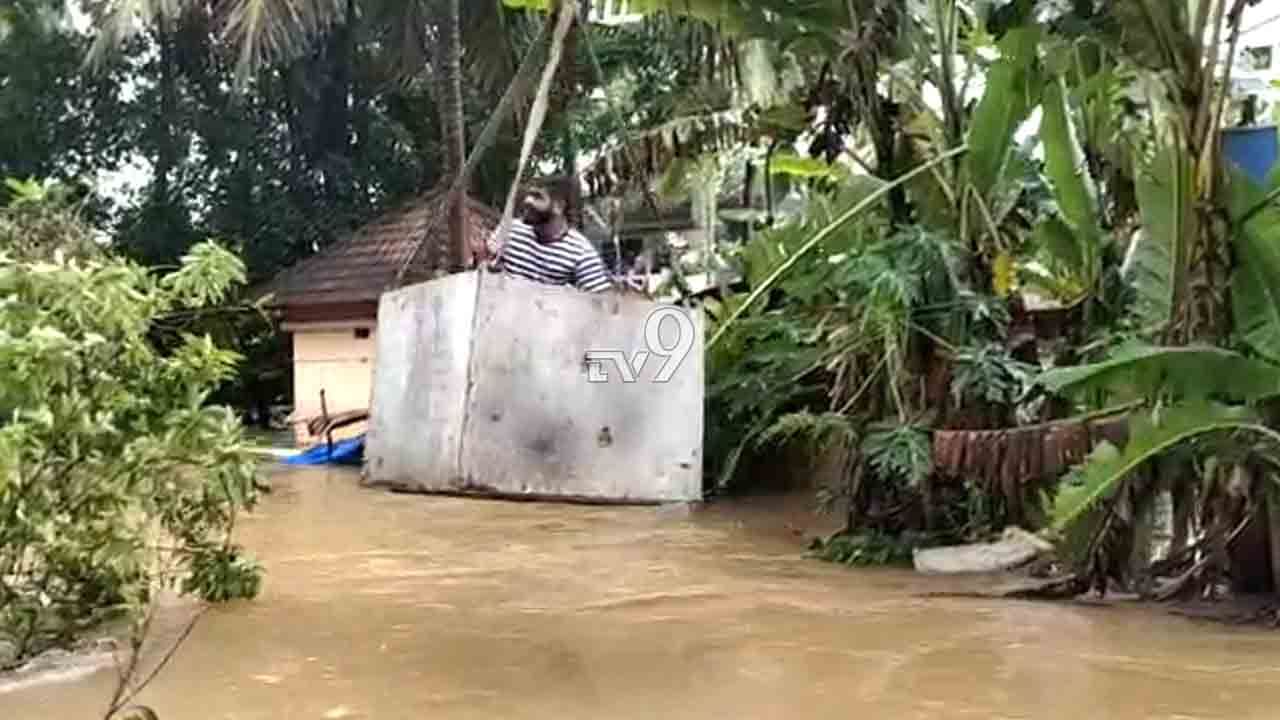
(453, 123)
(260, 32)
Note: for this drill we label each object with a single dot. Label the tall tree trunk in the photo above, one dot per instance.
(334, 134)
(361, 117)
(166, 145)
(453, 124)
(567, 91)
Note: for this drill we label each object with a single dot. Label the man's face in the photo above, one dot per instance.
(537, 207)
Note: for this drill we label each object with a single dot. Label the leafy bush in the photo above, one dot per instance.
(901, 456)
(989, 373)
(116, 478)
(38, 224)
(869, 548)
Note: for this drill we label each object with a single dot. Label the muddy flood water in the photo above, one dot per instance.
(386, 606)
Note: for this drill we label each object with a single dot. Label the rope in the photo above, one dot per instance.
(531, 132)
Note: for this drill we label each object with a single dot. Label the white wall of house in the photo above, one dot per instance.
(337, 358)
(1260, 26)
(1257, 69)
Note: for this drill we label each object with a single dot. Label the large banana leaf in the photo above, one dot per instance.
(1061, 243)
(1187, 373)
(1074, 238)
(1255, 287)
(1012, 91)
(1158, 269)
(1148, 439)
(932, 194)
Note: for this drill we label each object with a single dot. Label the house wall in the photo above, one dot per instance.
(1258, 59)
(330, 357)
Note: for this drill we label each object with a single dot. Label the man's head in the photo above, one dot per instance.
(547, 199)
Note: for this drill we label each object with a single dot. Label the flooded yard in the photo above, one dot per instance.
(388, 606)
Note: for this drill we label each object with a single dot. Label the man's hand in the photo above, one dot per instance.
(485, 251)
(479, 250)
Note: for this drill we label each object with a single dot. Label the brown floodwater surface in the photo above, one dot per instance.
(378, 605)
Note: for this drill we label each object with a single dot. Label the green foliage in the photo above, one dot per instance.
(846, 311)
(55, 120)
(900, 455)
(1158, 270)
(23, 192)
(804, 167)
(117, 478)
(1150, 437)
(1255, 292)
(819, 429)
(1065, 162)
(39, 223)
(311, 147)
(1182, 373)
(822, 235)
(896, 273)
(1013, 90)
(1159, 36)
(757, 374)
(868, 549)
(990, 374)
(222, 574)
(1074, 238)
(1080, 491)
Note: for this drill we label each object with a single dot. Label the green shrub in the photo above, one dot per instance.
(116, 477)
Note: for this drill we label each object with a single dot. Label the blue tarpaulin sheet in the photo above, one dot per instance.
(345, 452)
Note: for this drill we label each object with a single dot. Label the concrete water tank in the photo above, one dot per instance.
(492, 385)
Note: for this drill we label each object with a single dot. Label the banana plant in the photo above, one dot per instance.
(1203, 395)
(981, 200)
(1072, 238)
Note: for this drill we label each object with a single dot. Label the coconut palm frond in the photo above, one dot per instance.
(121, 20)
(267, 31)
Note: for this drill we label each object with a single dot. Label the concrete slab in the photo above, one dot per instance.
(419, 383)
(535, 420)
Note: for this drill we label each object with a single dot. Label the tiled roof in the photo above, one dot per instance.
(364, 264)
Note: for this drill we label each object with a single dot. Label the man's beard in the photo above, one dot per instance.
(535, 217)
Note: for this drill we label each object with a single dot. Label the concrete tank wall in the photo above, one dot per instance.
(513, 413)
(419, 383)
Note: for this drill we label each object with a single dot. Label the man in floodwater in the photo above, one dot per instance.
(543, 246)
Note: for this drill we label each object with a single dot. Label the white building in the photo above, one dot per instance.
(1257, 70)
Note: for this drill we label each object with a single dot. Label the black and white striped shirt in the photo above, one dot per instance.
(571, 260)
